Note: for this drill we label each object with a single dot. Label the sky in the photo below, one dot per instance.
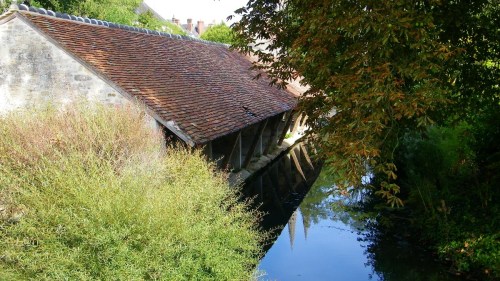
(206, 10)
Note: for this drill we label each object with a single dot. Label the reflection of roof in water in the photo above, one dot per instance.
(291, 227)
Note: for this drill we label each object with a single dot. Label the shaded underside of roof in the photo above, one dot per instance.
(208, 90)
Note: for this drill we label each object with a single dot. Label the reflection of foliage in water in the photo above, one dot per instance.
(324, 202)
(390, 255)
(393, 259)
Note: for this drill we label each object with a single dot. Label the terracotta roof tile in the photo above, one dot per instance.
(205, 88)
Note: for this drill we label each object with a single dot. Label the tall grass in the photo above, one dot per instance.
(89, 194)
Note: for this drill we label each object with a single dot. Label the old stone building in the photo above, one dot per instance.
(201, 93)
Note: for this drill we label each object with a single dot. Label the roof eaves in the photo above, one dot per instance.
(247, 125)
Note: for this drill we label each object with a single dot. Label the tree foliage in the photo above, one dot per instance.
(375, 69)
(406, 91)
(117, 11)
(218, 33)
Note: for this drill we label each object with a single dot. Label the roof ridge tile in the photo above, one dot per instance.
(98, 22)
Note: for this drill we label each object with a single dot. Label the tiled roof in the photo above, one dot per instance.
(206, 89)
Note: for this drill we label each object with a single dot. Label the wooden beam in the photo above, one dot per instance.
(297, 165)
(306, 155)
(274, 134)
(288, 168)
(288, 179)
(276, 198)
(297, 123)
(233, 148)
(303, 121)
(285, 129)
(256, 138)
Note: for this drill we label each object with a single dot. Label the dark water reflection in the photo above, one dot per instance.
(324, 236)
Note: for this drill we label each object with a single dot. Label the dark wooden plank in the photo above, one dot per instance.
(275, 194)
(233, 148)
(306, 156)
(285, 173)
(255, 141)
(296, 125)
(274, 134)
(297, 165)
(285, 129)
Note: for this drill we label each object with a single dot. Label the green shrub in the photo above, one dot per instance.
(449, 179)
(475, 254)
(219, 33)
(89, 194)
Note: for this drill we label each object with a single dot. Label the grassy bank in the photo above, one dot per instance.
(90, 195)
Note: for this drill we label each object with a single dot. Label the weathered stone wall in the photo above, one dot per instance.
(34, 71)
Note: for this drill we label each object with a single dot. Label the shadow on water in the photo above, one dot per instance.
(320, 235)
(280, 188)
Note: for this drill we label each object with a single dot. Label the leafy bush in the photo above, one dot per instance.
(219, 33)
(117, 11)
(467, 254)
(449, 178)
(149, 21)
(89, 194)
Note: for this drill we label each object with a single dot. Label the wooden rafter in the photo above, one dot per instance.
(274, 134)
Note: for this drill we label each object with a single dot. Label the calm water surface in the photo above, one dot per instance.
(318, 239)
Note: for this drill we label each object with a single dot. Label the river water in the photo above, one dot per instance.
(317, 237)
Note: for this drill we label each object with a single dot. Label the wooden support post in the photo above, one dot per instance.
(255, 141)
(306, 156)
(275, 190)
(285, 129)
(303, 121)
(274, 134)
(260, 186)
(235, 146)
(207, 150)
(288, 168)
(258, 148)
(288, 180)
(296, 125)
(297, 165)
